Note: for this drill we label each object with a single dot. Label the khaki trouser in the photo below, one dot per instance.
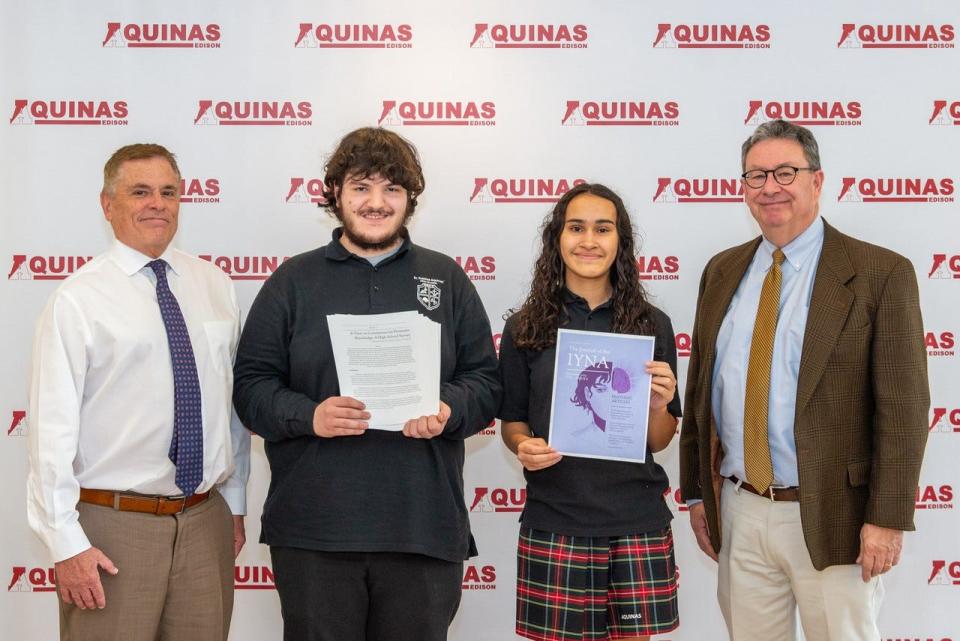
(175, 579)
(766, 578)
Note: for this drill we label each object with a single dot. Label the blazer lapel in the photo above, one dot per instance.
(830, 304)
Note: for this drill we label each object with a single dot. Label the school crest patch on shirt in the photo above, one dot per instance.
(428, 292)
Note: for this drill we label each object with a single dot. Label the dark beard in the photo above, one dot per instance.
(367, 245)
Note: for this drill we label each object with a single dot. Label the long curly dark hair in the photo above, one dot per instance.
(543, 310)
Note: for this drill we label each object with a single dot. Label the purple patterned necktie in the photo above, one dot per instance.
(186, 448)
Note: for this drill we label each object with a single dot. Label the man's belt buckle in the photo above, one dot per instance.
(179, 497)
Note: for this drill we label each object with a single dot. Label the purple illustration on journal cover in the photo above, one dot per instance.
(601, 395)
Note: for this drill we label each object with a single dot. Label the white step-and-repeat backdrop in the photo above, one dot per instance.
(509, 104)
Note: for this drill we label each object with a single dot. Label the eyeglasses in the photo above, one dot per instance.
(785, 175)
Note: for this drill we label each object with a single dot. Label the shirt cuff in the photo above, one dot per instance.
(303, 418)
(691, 502)
(455, 418)
(67, 542)
(236, 498)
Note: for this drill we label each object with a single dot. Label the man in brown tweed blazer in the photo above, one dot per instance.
(843, 402)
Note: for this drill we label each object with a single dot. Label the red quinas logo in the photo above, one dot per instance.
(945, 420)
(498, 499)
(490, 429)
(939, 344)
(674, 499)
(945, 112)
(18, 424)
(478, 267)
(200, 190)
(306, 190)
(246, 267)
(69, 112)
(354, 36)
(26, 267)
(283, 113)
(479, 577)
(896, 36)
(658, 267)
(521, 190)
(621, 113)
(698, 190)
(896, 190)
(712, 36)
(934, 497)
(253, 577)
(161, 36)
(944, 573)
(805, 112)
(945, 266)
(25, 579)
(409, 113)
(683, 343)
(529, 36)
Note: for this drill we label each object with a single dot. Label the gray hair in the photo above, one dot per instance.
(783, 130)
(139, 151)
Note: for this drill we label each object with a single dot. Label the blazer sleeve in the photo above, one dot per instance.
(901, 401)
(690, 473)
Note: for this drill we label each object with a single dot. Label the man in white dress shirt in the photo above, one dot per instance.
(136, 461)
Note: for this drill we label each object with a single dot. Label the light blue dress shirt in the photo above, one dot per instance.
(733, 354)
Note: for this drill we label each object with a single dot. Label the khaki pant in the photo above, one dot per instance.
(766, 576)
(175, 579)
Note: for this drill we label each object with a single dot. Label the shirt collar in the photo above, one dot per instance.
(570, 297)
(798, 252)
(131, 261)
(336, 250)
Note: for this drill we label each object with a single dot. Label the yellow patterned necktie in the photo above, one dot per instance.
(756, 442)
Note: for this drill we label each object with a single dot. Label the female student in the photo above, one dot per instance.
(595, 555)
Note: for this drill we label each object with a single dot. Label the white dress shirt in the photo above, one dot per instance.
(101, 389)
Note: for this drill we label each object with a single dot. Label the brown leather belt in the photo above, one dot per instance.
(159, 505)
(772, 493)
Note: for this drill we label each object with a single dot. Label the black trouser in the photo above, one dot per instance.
(365, 596)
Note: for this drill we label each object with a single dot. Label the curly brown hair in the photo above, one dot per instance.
(543, 310)
(373, 151)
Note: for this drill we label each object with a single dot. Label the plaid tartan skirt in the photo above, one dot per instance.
(595, 588)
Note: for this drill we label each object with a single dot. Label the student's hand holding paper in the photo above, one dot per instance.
(535, 454)
(427, 426)
(663, 384)
(340, 416)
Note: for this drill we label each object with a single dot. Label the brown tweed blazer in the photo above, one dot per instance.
(862, 397)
